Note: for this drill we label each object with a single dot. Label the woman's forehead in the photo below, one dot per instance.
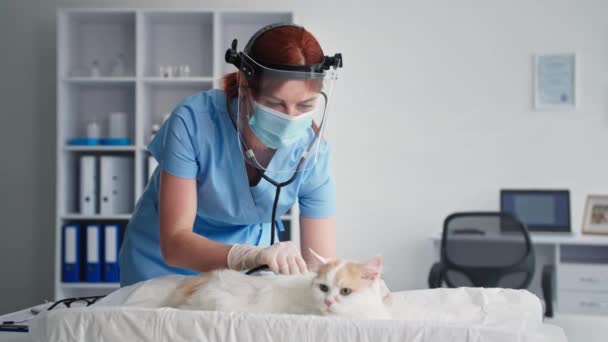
(290, 91)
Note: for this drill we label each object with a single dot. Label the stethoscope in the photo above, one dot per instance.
(251, 156)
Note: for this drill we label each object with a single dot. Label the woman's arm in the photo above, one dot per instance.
(318, 234)
(180, 246)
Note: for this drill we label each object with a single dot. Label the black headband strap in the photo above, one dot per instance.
(236, 58)
(263, 30)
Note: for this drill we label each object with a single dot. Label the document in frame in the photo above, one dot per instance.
(555, 81)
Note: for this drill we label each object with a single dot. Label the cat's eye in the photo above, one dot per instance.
(323, 288)
(345, 291)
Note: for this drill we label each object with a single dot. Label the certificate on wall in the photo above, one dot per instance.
(555, 81)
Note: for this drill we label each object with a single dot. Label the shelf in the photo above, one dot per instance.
(90, 285)
(146, 40)
(97, 80)
(87, 102)
(99, 148)
(96, 36)
(161, 96)
(149, 80)
(178, 38)
(96, 217)
(177, 80)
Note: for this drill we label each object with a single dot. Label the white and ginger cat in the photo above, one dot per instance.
(337, 288)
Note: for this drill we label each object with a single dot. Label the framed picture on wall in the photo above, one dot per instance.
(555, 85)
(595, 219)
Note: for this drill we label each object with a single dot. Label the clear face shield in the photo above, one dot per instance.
(281, 113)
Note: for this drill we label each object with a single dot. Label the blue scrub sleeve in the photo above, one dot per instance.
(317, 196)
(174, 145)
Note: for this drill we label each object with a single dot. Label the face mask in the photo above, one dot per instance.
(276, 129)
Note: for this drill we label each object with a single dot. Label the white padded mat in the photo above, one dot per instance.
(464, 314)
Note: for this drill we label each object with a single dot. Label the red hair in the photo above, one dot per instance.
(280, 45)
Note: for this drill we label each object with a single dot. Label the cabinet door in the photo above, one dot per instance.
(583, 277)
(580, 302)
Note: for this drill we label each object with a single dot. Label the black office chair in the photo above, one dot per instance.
(488, 249)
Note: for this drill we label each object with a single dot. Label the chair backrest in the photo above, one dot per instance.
(486, 249)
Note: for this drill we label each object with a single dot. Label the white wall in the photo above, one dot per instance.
(445, 119)
(431, 115)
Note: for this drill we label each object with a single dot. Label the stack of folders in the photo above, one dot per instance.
(106, 184)
(90, 253)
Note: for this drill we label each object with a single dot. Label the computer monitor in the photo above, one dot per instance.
(540, 210)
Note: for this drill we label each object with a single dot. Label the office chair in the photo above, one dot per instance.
(488, 249)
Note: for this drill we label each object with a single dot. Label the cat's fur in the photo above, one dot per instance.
(228, 290)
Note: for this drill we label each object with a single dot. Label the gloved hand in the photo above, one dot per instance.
(282, 257)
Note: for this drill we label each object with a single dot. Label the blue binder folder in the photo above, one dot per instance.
(111, 236)
(71, 253)
(93, 259)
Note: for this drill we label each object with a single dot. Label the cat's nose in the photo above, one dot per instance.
(328, 302)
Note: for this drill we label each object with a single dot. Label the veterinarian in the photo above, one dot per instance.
(225, 155)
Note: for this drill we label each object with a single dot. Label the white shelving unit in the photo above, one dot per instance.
(146, 39)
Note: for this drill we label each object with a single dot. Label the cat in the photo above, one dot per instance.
(335, 288)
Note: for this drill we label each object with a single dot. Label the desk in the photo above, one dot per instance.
(581, 268)
(581, 327)
(6, 336)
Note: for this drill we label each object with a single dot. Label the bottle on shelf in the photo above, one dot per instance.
(95, 71)
(184, 70)
(118, 66)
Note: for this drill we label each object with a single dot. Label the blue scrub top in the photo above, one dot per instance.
(199, 141)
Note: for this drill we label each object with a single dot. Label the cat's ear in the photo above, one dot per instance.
(319, 259)
(372, 268)
(385, 292)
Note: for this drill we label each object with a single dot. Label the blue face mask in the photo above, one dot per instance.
(276, 129)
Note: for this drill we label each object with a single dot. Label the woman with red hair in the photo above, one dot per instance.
(225, 156)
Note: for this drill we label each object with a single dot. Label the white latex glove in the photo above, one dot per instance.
(282, 257)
